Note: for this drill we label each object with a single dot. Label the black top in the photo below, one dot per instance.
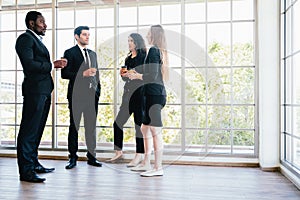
(152, 76)
(135, 63)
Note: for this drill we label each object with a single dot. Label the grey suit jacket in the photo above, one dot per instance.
(74, 70)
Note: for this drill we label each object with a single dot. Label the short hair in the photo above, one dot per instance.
(77, 31)
(31, 16)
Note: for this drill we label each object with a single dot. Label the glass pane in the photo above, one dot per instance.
(20, 78)
(7, 20)
(62, 136)
(8, 3)
(105, 115)
(243, 85)
(81, 16)
(288, 33)
(7, 87)
(105, 47)
(219, 85)
(61, 88)
(65, 18)
(21, 15)
(19, 113)
(219, 116)
(242, 10)
(171, 14)
(195, 116)
(295, 79)
(219, 141)
(171, 116)
(62, 115)
(173, 33)
(44, 1)
(218, 10)
(7, 114)
(105, 135)
(288, 148)
(218, 36)
(46, 141)
(195, 138)
(195, 85)
(195, 44)
(288, 81)
(195, 12)
(26, 2)
(243, 142)
(127, 16)
(107, 88)
(296, 28)
(296, 152)
(243, 117)
(172, 138)
(49, 119)
(288, 119)
(65, 40)
(296, 121)
(7, 136)
(105, 17)
(149, 15)
(243, 48)
(173, 86)
(7, 51)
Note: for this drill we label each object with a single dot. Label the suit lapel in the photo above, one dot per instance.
(40, 43)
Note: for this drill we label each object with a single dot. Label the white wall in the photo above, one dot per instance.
(268, 64)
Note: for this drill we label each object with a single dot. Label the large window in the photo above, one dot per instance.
(290, 84)
(211, 101)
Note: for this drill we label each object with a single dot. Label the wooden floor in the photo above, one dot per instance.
(115, 181)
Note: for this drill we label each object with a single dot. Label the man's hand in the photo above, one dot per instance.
(89, 72)
(60, 63)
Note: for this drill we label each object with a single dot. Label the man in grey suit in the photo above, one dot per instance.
(83, 95)
(36, 90)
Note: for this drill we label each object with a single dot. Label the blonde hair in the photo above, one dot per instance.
(158, 39)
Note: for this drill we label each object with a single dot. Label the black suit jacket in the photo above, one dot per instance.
(35, 60)
(74, 70)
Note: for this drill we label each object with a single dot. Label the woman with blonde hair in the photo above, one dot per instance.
(155, 72)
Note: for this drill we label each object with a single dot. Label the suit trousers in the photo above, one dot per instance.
(132, 103)
(86, 106)
(34, 116)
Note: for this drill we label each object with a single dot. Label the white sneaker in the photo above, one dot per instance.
(135, 162)
(153, 172)
(141, 168)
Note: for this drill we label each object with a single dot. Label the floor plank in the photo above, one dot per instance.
(115, 181)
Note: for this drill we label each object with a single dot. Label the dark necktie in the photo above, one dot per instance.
(87, 62)
(93, 80)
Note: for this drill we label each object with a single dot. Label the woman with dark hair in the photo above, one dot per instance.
(132, 100)
(155, 73)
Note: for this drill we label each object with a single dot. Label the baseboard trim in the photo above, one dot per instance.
(168, 159)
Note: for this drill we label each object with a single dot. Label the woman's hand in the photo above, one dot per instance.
(134, 75)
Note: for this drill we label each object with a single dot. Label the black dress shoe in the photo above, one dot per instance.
(32, 177)
(41, 169)
(95, 163)
(72, 163)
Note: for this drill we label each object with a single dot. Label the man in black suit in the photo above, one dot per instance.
(83, 95)
(36, 90)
